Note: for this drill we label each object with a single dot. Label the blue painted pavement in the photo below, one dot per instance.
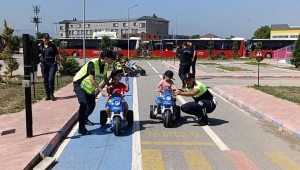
(102, 149)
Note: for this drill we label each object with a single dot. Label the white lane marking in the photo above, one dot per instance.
(169, 66)
(65, 142)
(152, 67)
(160, 76)
(136, 137)
(222, 146)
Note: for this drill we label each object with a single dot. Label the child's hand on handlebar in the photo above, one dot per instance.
(126, 79)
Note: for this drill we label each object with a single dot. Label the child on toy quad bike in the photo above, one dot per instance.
(118, 65)
(117, 88)
(165, 84)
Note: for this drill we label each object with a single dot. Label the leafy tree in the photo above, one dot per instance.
(107, 43)
(142, 50)
(31, 37)
(229, 37)
(196, 36)
(16, 42)
(38, 35)
(258, 47)
(235, 48)
(295, 59)
(210, 50)
(71, 65)
(7, 35)
(263, 32)
(55, 41)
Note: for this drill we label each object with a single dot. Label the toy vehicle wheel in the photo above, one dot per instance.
(131, 74)
(167, 119)
(103, 117)
(178, 113)
(137, 72)
(152, 109)
(117, 126)
(142, 72)
(129, 117)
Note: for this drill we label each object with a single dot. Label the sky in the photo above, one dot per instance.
(223, 18)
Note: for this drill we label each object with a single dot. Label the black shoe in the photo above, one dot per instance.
(88, 122)
(52, 97)
(48, 98)
(83, 131)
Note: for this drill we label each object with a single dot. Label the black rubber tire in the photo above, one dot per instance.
(142, 72)
(103, 117)
(167, 119)
(117, 126)
(152, 108)
(129, 117)
(178, 113)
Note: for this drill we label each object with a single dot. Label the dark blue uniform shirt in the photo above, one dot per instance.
(50, 52)
(186, 55)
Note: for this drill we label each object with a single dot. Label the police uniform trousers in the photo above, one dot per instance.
(49, 68)
(199, 109)
(184, 68)
(86, 101)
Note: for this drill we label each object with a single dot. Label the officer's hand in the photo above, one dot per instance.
(178, 92)
(61, 67)
(111, 86)
(103, 93)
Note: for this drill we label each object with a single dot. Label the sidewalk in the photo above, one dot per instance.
(51, 120)
(201, 74)
(265, 106)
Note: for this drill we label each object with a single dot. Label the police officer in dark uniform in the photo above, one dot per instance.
(194, 57)
(185, 61)
(49, 61)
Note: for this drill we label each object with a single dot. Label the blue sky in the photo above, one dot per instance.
(220, 17)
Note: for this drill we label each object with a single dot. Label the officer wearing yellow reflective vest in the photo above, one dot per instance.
(85, 82)
(204, 101)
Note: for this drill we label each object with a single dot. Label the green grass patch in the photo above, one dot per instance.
(209, 63)
(232, 68)
(12, 97)
(289, 93)
(254, 63)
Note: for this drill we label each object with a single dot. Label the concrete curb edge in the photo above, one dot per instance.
(259, 113)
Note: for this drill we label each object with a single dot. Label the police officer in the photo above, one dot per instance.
(49, 65)
(204, 101)
(85, 82)
(194, 57)
(185, 61)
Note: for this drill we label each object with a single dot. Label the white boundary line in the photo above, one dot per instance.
(136, 137)
(152, 67)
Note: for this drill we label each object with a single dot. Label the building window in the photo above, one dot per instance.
(70, 33)
(70, 26)
(87, 26)
(294, 36)
(61, 34)
(135, 24)
(142, 25)
(149, 36)
(125, 24)
(78, 26)
(154, 36)
(124, 36)
(61, 27)
(115, 24)
(123, 31)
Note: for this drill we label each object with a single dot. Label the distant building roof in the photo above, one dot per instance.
(153, 17)
(209, 35)
(284, 27)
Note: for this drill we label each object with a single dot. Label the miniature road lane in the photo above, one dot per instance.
(251, 143)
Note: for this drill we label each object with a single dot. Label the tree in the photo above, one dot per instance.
(263, 32)
(235, 48)
(295, 59)
(142, 50)
(16, 42)
(71, 65)
(196, 36)
(258, 47)
(11, 64)
(230, 37)
(7, 35)
(107, 43)
(210, 49)
(38, 35)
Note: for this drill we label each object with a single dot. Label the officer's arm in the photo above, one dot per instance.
(105, 79)
(56, 55)
(189, 94)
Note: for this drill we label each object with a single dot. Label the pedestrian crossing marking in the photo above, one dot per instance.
(172, 134)
(178, 143)
(283, 161)
(196, 160)
(152, 159)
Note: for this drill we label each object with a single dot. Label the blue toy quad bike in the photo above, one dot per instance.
(168, 111)
(116, 104)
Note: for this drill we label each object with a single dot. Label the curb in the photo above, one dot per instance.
(51, 146)
(259, 113)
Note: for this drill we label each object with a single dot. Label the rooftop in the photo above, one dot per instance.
(153, 17)
(284, 27)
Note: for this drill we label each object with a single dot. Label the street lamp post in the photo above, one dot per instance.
(55, 28)
(84, 32)
(176, 38)
(129, 28)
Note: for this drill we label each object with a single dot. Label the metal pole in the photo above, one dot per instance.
(128, 34)
(26, 84)
(176, 38)
(258, 74)
(84, 57)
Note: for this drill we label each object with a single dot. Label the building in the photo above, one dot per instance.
(209, 35)
(146, 27)
(284, 31)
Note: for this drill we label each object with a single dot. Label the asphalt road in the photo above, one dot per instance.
(233, 140)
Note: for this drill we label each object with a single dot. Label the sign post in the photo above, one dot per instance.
(259, 58)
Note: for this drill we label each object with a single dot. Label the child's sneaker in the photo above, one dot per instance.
(108, 121)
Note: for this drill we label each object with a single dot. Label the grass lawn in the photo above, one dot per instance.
(232, 68)
(12, 98)
(290, 93)
(254, 63)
